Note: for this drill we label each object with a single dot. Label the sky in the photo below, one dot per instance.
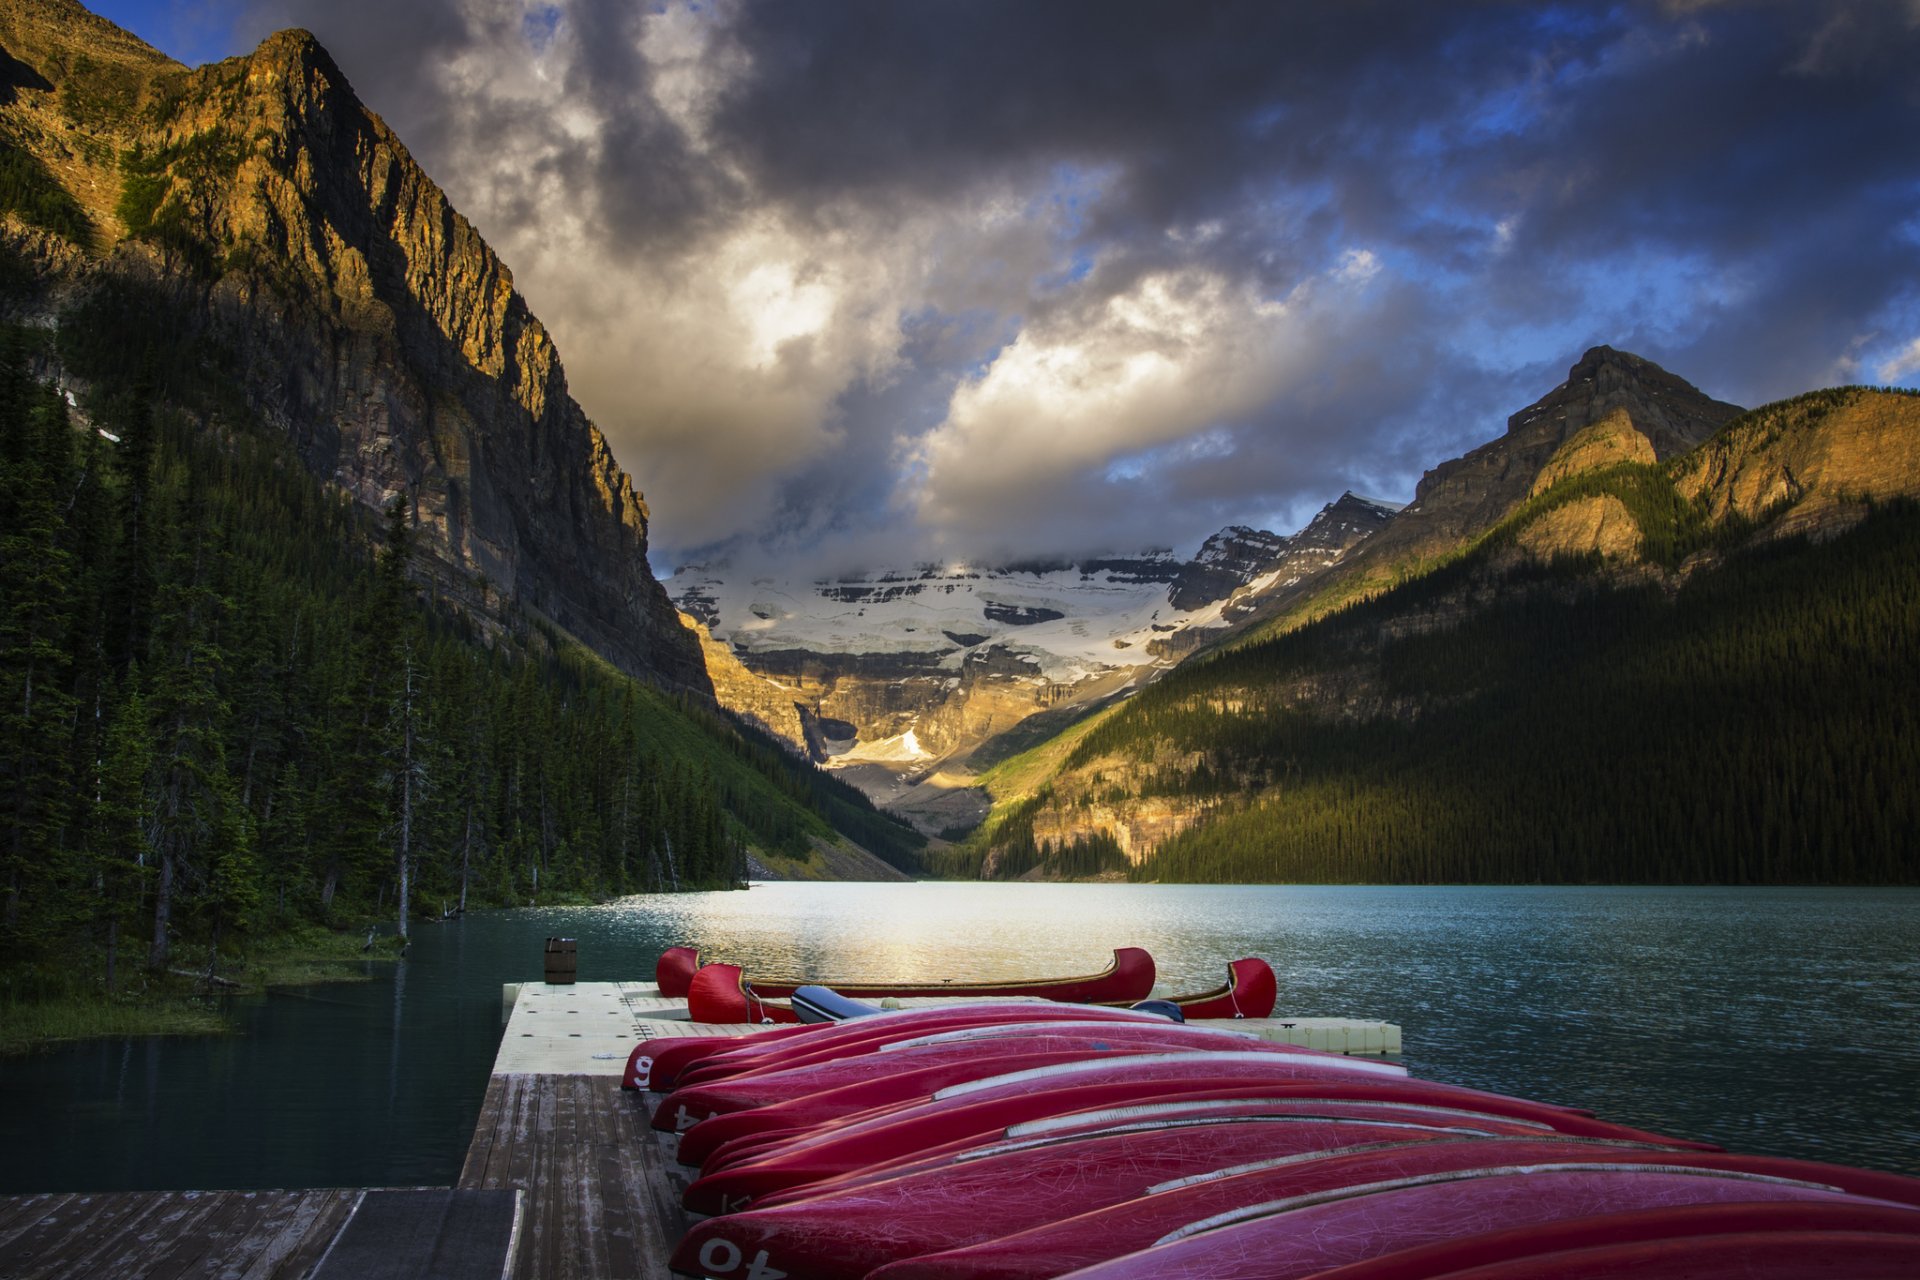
(858, 282)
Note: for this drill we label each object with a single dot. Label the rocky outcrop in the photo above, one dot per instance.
(1137, 826)
(874, 697)
(1472, 493)
(1810, 461)
(1608, 398)
(765, 704)
(1227, 561)
(1609, 442)
(1236, 558)
(373, 324)
(1590, 526)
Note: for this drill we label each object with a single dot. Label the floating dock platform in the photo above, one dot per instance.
(589, 1028)
(564, 1178)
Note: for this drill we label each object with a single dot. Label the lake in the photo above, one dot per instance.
(1777, 1021)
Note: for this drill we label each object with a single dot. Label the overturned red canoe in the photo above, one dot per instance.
(1306, 1235)
(874, 1079)
(884, 1034)
(1693, 1242)
(1140, 1077)
(1069, 1244)
(878, 1138)
(798, 1175)
(884, 1149)
(658, 1064)
(769, 1102)
(848, 1233)
(721, 992)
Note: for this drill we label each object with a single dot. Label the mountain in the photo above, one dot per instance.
(892, 672)
(1609, 393)
(278, 224)
(1259, 569)
(321, 602)
(1606, 656)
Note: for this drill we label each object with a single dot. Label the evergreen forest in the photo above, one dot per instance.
(1760, 725)
(228, 709)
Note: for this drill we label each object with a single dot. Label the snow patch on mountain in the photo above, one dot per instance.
(1066, 622)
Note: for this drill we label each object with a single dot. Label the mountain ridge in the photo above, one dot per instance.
(1323, 742)
(899, 669)
(281, 218)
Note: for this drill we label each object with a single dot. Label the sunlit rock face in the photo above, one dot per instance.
(366, 318)
(1614, 407)
(1471, 493)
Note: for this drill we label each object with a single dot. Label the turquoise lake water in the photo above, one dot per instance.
(1779, 1021)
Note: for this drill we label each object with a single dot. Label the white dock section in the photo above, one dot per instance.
(589, 1028)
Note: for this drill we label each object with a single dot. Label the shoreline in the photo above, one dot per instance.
(181, 1002)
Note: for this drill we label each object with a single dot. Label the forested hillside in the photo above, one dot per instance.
(1725, 700)
(229, 708)
(319, 595)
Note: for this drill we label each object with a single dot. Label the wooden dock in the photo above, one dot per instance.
(564, 1178)
(603, 1194)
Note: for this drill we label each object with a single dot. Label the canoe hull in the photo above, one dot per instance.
(722, 993)
(674, 970)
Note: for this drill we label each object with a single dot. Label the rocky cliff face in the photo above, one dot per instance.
(1811, 462)
(1614, 406)
(1471, 493)
(1237, 557)
(1227, 561)
(374, 325)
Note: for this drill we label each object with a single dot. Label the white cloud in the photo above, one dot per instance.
(1903, 364)
(1164, 364)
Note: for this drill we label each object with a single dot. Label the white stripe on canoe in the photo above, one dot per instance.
(997, 1030)
(1280, 1162)
(1201, 1122)
(1358, 1066)
(1013, 1009)
(1148, 1110)
(1247, 1213)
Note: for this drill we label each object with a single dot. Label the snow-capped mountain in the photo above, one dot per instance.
(905, 666)
(1069, 621)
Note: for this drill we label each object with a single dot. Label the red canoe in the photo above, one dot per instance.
(674, 970)
(879, 1035)
(1307, 1235)
(770, 1102)
(792, 1176)
(721, 993)
(1132, 1078)
(658, 1064)
(1112, 1081)
(848, 1233)
(1250, 991)
(1695, 1242)
(772, 1175)
(1069, 1244)
(916, 1072)
(874, 1139)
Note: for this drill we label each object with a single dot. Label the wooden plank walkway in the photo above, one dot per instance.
(170, 1235)
(603, 1194)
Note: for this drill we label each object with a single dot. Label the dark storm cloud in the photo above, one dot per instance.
(1327, 245)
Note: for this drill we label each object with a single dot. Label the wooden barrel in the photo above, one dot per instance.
(562, 961)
